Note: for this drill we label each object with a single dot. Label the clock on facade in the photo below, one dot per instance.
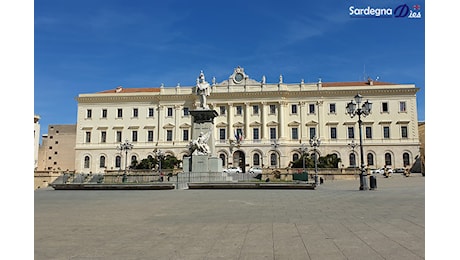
(238, 77)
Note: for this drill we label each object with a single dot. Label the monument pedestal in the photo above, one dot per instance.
(203, 164)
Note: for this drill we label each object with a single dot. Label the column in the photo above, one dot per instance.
(303, 127)
(246, 119)
(263, 128)
(281, 125)
(161, 115)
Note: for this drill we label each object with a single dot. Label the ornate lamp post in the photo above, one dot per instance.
(315, 142)
(353, 145)
(125, 147)
(354, 107)
(160, 155)
(303, 150)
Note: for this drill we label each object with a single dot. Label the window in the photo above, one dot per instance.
(332, 108)
(352, 159)
(185, 135)
(294, 133)
(119, 112)
(255, 109)
(170, 111)
(169, 135)
(404, 131)
(102, 161)
(134, 136)
(222, 135)
(384, 106)
(118, 161)
(239, 110)
(255, 134)
(103, 136)
(135, 112)
(104, 113)
(88, 137)
(402, 106)
(151, 111)
(86, 164)
(56, 142)
(272, 109)
(118, 136)
(333, 133)
(295, 157)
(311, 108)
(351, 132)
(370, 159)
(89, 113)
(368, 132)
(293, 109)
(186, 111)
(133, 160)
(312, 132)
(273, 160)
(386, 132)
(256, 159)
(406, 159)
(222, 157)
(222, 110)
(150, 136)
(388, 159)
(272, 133)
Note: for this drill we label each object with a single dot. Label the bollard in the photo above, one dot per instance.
(373, 182)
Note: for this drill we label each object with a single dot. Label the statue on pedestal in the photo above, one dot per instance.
(200, 145)
(202, 90)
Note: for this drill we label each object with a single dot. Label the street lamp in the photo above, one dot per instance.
(354, 108)
(159, 154)
(125, 147)
(315, 142)
(303, 150)
(353, 145)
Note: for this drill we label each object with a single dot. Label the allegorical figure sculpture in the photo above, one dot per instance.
(200, 144)
(202, 90)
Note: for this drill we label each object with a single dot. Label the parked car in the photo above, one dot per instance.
(233, 169)
(399, 170)
(377, 171)
(255, 170)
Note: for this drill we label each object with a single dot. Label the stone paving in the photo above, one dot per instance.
(334, 221)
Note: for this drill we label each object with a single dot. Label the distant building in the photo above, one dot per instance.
(36, 139)
(258, 123)
(57, 152)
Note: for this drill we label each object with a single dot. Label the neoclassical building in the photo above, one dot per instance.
(258, 123)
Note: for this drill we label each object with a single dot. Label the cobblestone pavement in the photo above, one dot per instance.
(335, 221)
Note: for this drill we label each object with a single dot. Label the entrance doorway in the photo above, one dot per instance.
(239, 160)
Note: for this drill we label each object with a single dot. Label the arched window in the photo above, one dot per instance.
(295, 157)
(86, 162)
(388, 159)
(352, 159)
(102, 161)
(133, 159)
(256, 159)
(273, 159)
(406, 159)
(150, 157)
(370, 159)
(118, 161)
(223, 158)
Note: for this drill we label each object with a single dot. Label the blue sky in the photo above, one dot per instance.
(90, 46)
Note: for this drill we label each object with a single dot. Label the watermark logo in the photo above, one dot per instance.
(401, 11)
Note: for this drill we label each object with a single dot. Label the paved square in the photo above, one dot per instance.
(335, 221)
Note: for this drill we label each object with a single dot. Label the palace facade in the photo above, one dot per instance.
(258, 123)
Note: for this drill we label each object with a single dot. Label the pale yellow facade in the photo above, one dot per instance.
(36, 139)
(275, 119)
(57, 151)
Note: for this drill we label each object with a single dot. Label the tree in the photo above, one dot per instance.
(328, 161)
